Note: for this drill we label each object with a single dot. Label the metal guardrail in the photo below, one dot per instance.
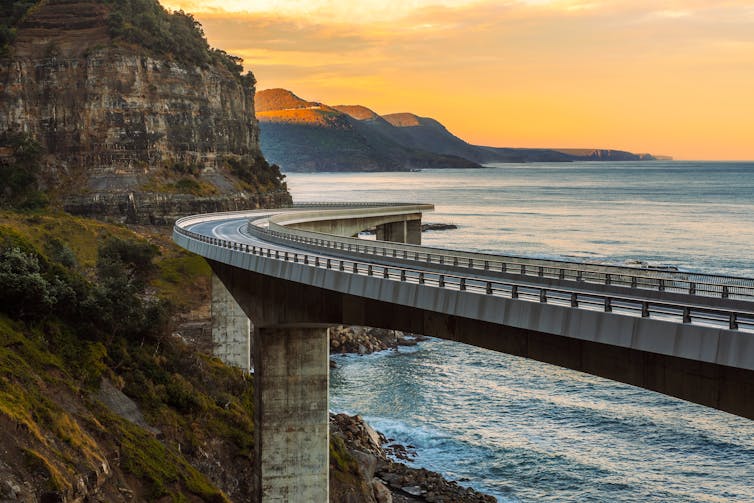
(344, 204)
(706, 285)
(686, 313)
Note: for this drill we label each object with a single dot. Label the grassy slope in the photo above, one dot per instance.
(53, 431)
(48, 376)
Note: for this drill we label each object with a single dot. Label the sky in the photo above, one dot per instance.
(664, 77)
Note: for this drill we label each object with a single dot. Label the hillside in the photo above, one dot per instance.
(281, 99)
(106, 390)
(135, 116)
(301, 135)
(81, 347)
(359, 112)
(429, 134)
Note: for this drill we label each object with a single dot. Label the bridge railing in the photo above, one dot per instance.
(686, 313)
(344, 204)
(708, 285)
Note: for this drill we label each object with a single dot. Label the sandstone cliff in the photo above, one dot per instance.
(134, 131)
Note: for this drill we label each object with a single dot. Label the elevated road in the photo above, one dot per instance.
(701, 317)
(291, 270)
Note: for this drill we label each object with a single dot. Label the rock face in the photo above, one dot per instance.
(128, 134)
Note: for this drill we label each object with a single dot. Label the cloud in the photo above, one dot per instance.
(270, 31)
(337, 11)
(593, 73)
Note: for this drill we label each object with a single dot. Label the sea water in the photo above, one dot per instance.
(527, 431)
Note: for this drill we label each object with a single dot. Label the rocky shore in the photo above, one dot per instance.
(366, 340)
(429, 226)
(385, 480)
(438, 227)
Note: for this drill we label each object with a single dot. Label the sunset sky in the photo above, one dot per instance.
(672, 77)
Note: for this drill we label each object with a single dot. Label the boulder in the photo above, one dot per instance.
(381, 493)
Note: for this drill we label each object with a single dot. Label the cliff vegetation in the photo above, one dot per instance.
(85, 322)
(177, 35)
(11, 12)
(20, 167)
(145, 23)
(103, 393)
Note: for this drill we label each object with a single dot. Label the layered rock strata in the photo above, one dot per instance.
(129, 134)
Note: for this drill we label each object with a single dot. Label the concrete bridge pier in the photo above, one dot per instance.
(291, 423)
(407, 231)
(231, 328)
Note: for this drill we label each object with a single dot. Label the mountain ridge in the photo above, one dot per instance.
(302, 135)
(410, 132)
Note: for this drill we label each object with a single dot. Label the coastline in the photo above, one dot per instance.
(381, 460)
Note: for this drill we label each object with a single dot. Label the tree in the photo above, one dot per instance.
(24, 291)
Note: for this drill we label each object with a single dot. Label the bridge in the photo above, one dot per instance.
(295, 271)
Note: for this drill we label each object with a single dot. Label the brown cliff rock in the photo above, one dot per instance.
(130, 133)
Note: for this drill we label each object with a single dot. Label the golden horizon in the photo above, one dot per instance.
(666, 78)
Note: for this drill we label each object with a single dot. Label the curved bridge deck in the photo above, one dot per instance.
(684, 334)
(699, 317)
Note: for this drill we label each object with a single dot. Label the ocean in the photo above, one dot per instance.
(527, 431)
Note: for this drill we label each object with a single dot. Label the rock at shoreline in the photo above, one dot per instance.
(392, 481)
(365, 340)
(425, 227)
(424, 485)
(438, 227)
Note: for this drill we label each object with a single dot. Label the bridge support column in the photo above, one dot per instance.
(291, 428)
(394, 232)
(231, 328)
(414, 232)
(407, 231)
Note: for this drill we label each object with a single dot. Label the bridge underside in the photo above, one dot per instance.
(271, 302)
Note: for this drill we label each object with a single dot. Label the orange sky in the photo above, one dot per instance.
(666, 77)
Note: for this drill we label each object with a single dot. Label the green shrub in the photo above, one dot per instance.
(61, 253)
(135, 255)
(181, 395)
(24, 292)
(188, 186)
(11, 12)
(255, 171)
(174, 34)
(20, 172)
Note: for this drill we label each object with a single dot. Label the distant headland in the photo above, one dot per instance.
(301, 135)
